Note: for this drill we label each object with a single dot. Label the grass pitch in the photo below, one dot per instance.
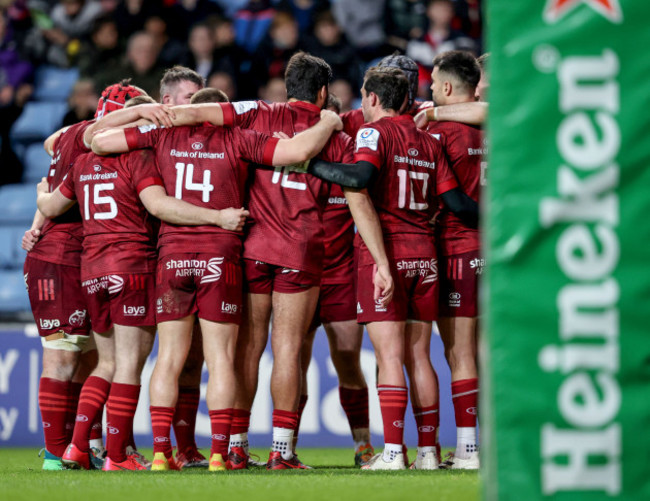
(21, 478)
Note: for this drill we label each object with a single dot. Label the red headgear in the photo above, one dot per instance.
(114, 97)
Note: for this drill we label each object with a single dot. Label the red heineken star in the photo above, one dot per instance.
(557, 9)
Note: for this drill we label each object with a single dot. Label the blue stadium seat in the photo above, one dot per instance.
(12, 256)
(17, 204)
(13, 295)
(37, 121)
(54, 84)
(36, 163)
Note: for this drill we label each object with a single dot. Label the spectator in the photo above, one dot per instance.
(404, 20)
(170, 50)
(103, 51)
(201, 54)
(305, 12)
(82, 101)
(228, 56)
(274, 91)
(362, 21)
(130, 15)
(224, 82)
(187, 13)
(344, 93)
(328, 43)
(252, 23)
(440, 37)
(140, 65)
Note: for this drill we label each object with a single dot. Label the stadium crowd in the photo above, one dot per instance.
(219, 270)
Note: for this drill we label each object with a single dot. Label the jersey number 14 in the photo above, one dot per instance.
(187, 171)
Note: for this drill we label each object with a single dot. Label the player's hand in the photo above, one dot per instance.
(43, 186)
(424, 117)
(333, 117)
(383, 282)
(159, 114)
(281, 135)
(233, 219)
(30, 238)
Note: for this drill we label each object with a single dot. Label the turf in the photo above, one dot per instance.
(21, 477)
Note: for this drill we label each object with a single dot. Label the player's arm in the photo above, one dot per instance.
(463, 206)
(473, 113)
(110, 141)
(157, 114)
(308, 143)
(367, 221)
(32, 235)
(357, 175)
(48, 144)
(175, 211)
(197, 114)
(52, 204)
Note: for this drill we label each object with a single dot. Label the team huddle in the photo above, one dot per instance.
(203, 219)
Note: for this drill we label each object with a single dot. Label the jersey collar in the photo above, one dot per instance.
(305, 106)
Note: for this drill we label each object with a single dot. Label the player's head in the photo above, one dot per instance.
(383, 88)
(138, 100)
(454, 77)
(209, 95)
(410, 69)
(333, 103)
(114, 96)
(307, 77)
(484, 83)
(179, 84)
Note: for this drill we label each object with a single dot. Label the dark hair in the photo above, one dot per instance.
(209, 95)
(177, 74)
(390, 85)
(410, 69)
(461, 65)
(102, 20)
(333, 103)
(306, 75)
(138, 100)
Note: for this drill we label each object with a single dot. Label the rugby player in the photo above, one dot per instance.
(195, 281)
(52, 278)
(410, 172)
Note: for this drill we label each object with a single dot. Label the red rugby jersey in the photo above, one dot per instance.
(413, 170)
(286, 227)
(464, 147)
(119, 233)
(207, 167)
(61, 237)
(339, 238)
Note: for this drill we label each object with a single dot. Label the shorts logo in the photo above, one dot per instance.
(45, 289)
(46, 425)
(379, 306)
(161, 440)
(471, 410)
(454, 299)
(49, 324)
(218, 436)
(159, 305)
(81, 418)
(213, 270)
(116, 284)
(426, 268)
(228, 308)
(78, 318)
(413, 152)
(112, 430)
(477, 265)
(433, 272)
(398, 424)
(197, 146)
(289, 270)
(135, 311)
(359, 309)
(97, 426)
(427, 429)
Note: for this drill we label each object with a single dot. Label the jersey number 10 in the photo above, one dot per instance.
(408, 176)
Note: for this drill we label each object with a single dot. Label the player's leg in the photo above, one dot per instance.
(292, 314)
(187, 406)
(305, 360)
(388, 341)
(174, 340)
(87, 362)
(345, 339)
(219, 341)
(424, 392)
(459, 337)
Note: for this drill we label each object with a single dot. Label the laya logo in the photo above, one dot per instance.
(81, 418)
(197, 146)
(398, 424)
(135, 311)
(49, 324)
(112, 430)
(557, 9)
(471, 410)
(228, 308)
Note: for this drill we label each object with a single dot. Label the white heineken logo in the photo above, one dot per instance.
(587, 353)
(557, 9)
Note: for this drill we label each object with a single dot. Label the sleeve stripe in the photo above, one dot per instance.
(269, 150)
(131, 135)
(446, 186)
(67, 192)
(149, 181)
(228, 114)
(368, 157)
